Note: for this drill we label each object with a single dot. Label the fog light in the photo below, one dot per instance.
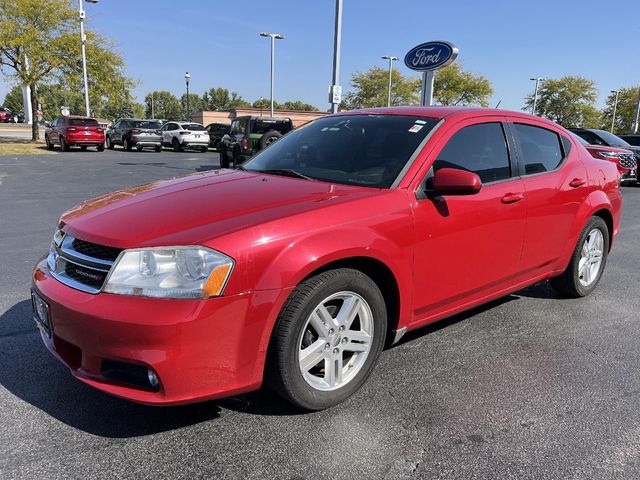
(153, 378)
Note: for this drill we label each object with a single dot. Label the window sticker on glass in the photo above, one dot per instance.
(420, 122)
(415, 128)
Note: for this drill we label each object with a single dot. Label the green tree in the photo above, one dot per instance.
(569, 101)
(299, 105)
(39, 45)
(165, 106)
(454, 86)
(625, 111)
(13, 99)
(196, 103)
(369, 89)
(222, 99)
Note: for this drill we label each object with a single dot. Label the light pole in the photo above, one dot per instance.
(391, 58)
(186, 80)
(615, 106)
(83, 39)
(273, 37)
(535, 94)
(336, 90)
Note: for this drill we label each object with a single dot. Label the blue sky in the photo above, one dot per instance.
(506, 41)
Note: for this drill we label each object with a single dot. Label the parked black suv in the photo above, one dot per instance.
(133, 132)
(631, 139)
(216, 132)
(249, 135)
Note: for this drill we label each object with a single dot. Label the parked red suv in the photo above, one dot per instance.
(624, 159)
(70, 132)
(298, 267)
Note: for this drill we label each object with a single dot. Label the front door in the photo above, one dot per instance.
(469, 246)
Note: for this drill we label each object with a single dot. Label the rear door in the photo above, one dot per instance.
(556, 185)
(469, 245)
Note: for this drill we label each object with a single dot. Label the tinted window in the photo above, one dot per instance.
(146, 124)
(481, 149)
(82, 122)
(540, 148)
(192, 126)
(242, 125)
(632, 140)
(368, 150)
(590, 137)
(611, 139)
(262, 126)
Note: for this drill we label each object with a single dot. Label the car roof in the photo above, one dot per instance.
(440, 112)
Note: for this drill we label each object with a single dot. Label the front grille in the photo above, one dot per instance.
(86, 276)
(627, 160)
(80, 264)
(96, 251)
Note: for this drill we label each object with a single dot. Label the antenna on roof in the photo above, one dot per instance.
(498, 104)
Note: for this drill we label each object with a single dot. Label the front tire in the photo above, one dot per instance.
(48, 142)
(224, 158)
(127, 144)
(327, 339)
(587, 261)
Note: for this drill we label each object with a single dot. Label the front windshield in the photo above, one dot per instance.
(612, 140)
(366, 150)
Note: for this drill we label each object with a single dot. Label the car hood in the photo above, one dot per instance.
(199, 207)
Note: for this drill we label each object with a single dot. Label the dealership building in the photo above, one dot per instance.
(298, 117)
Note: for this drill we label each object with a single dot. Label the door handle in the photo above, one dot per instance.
(512, 198)
(577, 182)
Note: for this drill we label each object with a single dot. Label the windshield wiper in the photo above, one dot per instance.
(287, 172)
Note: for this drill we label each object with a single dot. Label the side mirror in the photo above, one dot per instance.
(451, 181)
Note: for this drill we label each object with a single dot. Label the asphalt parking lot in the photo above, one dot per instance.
(531, 386)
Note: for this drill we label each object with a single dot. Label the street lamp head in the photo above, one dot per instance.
(278, 36)
(265, 34)
(92, 1)
(389, 57)
(615, 91)
(539, 79)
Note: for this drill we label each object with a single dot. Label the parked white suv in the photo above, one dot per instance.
(181, 135)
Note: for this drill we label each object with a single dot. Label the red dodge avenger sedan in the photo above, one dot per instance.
(297, 268)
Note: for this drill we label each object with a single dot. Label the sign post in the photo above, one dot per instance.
(427, 58)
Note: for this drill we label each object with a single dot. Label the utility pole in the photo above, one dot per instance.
(535, 94)
(83, 39)
(615, 106)
(391, 58)
(273, 37)
(335, 94)
(186, 79)
(637, 115)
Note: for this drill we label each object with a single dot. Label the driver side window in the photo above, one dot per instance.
(481, 149)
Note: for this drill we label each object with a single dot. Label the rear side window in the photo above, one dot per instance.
(540, 148)
(263, 126)
(481, 149)
(82, 122)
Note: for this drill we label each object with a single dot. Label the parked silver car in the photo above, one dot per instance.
(182, 135)
(132, 132)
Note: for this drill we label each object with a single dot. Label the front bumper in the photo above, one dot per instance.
(199, 349)
(629, 175)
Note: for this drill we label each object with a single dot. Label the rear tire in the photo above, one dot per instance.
(587, 262)
(100, 148)
(83, 148)
(176, 145)
(224, 158)
(158, 149)
(64, 146)
(345, 345)
(236, 158)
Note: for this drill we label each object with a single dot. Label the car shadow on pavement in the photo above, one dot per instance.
(155, 164)
(31, 373)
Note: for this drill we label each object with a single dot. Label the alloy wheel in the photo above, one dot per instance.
(591, 257)
(335, 341)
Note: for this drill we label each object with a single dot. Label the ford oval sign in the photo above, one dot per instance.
(430, 56)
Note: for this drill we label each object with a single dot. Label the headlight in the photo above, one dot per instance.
(170, 272)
